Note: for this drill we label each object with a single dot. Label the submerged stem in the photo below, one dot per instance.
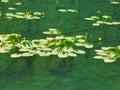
(118, 33)
(7, 28)
(29, 26)
(104, 32)
(115, 11)
(57, 2)
(29, 63)
(68, 64)
(48, 62)
(64, 61)
(87, 53)
(36, 26)
(76, 2)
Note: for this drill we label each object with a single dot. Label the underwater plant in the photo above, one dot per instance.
(76, 2)
(57, 2)
(108, 54)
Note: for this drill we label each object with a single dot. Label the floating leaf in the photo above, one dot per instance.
(15, 55)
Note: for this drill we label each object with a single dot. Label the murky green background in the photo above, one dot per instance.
(84, 72)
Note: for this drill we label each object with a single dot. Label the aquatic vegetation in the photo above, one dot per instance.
(58, 60)
(24, 15)
(57, 2)
(53, 31)
(68, 10)
(18, 3)
(92, 18)
(114, 2)
(29, 16)
(76, 2)
(115, 8)
(104, 20)
(108, 54)
(57, 44)
(62, 45)
(14, 13)
(8, 41)
(11, 8)
(4, 1)
(116, 5)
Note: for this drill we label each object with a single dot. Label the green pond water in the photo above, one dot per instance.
(82, 72)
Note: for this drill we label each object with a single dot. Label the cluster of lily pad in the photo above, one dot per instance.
(13, 13)
(108, 54)
(104, 20)
(56, 44)
(8, 41)
(24, 15)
